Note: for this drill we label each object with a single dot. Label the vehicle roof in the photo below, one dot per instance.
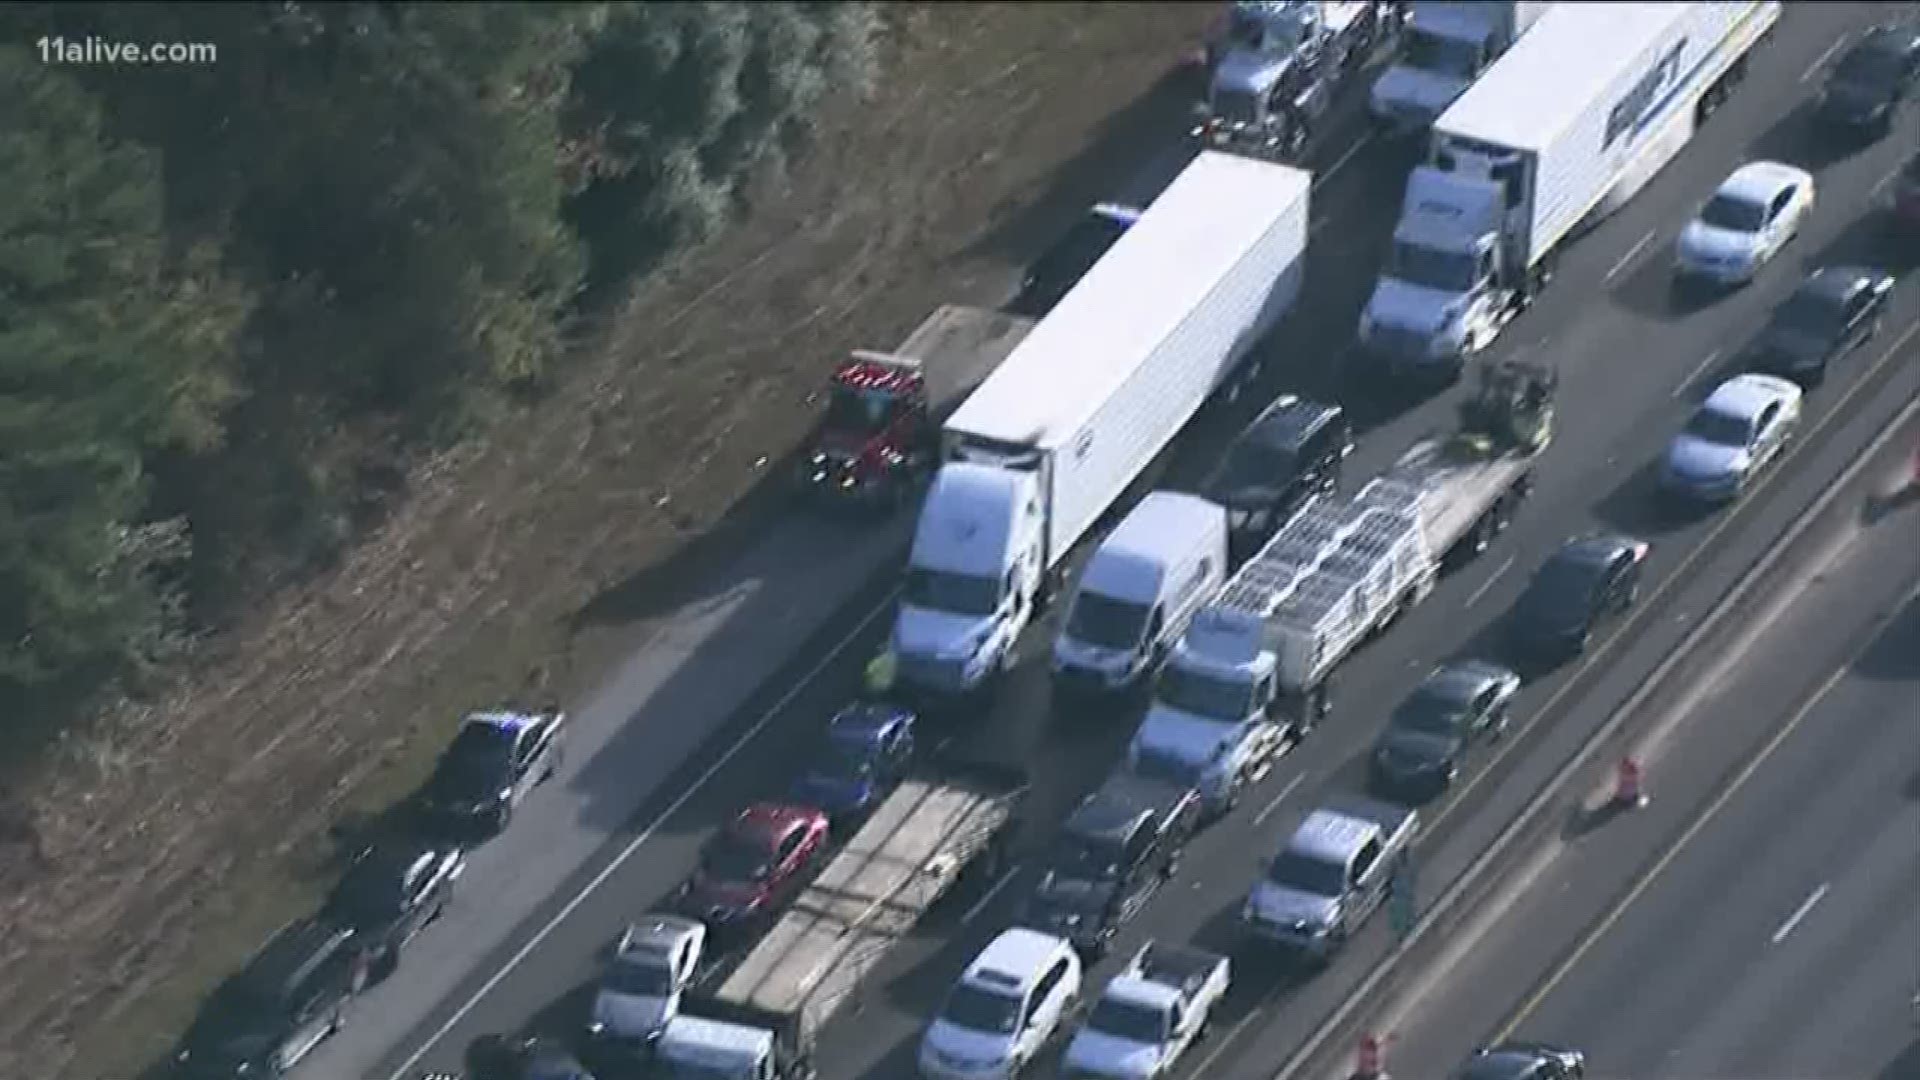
(1459, 682)
(865, 721)
(1746, 394)
(656, 934)
(1013, 961)
(1129, 562)
(1133, 991)
(701, 1041)
(1837, 283)
(1502, 1062)
(859, 373)
(1331, 836)
(291, 952)
(1574, 49)
(1105, 815)
(1760, 181)
(1897, 39)
(767, 822)
(1289, 421)
(1590, 551)
(511, 723)
(1127, 794)
(1131, 301)
(956, 529)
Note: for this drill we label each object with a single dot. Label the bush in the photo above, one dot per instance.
(110, 351)
(240, 294)
(683, 101)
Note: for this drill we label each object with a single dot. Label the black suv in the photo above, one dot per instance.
(1290, 453)
(288, 999)
(1871, 80)
(1119, 845)
(391, 892)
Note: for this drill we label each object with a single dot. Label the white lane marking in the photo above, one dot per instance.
(1632, 254)
(1799, 913)
(1698, 369)
(980, 905)
(1880, 187)
(641, 838)
(1492, 578)
(1814, 68)
(1352, 152)
(1274, 803)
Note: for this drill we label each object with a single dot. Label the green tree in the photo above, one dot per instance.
(683, 101)
(110, 350)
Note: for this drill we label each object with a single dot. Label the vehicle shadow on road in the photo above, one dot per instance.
(1126, 143)
(1638, 507)
(1904, 1067)
(1894, 654)
(1796, 139)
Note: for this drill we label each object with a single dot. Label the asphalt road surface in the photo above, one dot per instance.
(1756, 919)
(1632, 365)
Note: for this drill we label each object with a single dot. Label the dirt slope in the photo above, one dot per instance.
(158, 852)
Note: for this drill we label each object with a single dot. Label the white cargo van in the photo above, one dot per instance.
(1162, 564)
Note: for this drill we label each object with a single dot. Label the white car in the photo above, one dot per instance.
(1741, 426)
(1748, 220)
(1009, 1003)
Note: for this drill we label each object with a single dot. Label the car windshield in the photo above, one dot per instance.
(1500, 1065)
(1253, 463)
(1303, 873)
(371, 891)
(1869, 66)
(1452, 57)
(978, 1009)
(480, 758)
(843, 759)
(1107, 623)
(957, 594)
(1229, 700)
(1431, 267)
(1236, 106)
(1809, 313)
(1734, 213)
(1719, 428)
(1128, 1021)
(733, 859)
(1431, 712)
(638, 978)
(1084, 858)
(859, 410)
(1156, 765)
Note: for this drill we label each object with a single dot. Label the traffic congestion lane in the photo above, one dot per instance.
(424, 1017)
(1074, 766)
(1617, 405)
(1756, 918)
(1077, 753)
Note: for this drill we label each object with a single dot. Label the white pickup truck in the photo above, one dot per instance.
(1152, 1012)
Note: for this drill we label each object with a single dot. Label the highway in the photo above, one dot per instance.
(1757, 918)
(1631, 368)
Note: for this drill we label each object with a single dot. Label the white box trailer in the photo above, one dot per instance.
(1102, 385)
(1562, 130)
(1092, 395)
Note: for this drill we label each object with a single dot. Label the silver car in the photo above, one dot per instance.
(1743, 425)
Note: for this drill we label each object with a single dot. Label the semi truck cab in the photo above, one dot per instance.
(1447, 286)
(972, 578)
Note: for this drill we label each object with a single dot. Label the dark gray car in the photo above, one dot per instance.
(1458, 706)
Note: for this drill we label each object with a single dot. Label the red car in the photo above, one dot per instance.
(754, 864)
(877, 437)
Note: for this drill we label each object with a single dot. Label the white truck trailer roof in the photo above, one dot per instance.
(1132, 300)
(871, 893)
(1547, 81)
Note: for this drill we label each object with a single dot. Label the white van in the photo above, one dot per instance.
(1162, 564)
